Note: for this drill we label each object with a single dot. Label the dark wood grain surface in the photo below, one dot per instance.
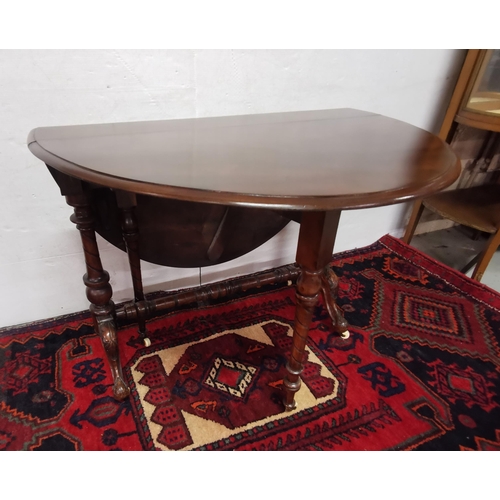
(310, 160)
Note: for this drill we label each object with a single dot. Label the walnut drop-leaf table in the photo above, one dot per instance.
(197, 192)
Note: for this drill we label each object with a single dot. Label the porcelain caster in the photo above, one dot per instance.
(345, 335)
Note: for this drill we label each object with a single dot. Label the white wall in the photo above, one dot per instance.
(41, 261)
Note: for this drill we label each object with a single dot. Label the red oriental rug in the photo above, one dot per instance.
(420, 370)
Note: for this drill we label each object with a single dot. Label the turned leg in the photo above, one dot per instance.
(130, 232)
(314, 252)
(329, 287)
(99, 290)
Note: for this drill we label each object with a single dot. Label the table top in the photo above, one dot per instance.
(305, 160)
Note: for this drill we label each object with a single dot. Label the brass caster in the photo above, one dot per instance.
(345, 335)
(147, 341)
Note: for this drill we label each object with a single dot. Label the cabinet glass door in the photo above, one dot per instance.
(485, 95)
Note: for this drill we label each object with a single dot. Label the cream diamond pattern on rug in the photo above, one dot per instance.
(232, 377)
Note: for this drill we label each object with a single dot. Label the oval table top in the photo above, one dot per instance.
(305, 160)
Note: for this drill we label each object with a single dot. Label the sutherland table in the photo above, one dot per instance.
(196, 192)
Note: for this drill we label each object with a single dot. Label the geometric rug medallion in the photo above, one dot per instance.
(433, 317)
(198, 392)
